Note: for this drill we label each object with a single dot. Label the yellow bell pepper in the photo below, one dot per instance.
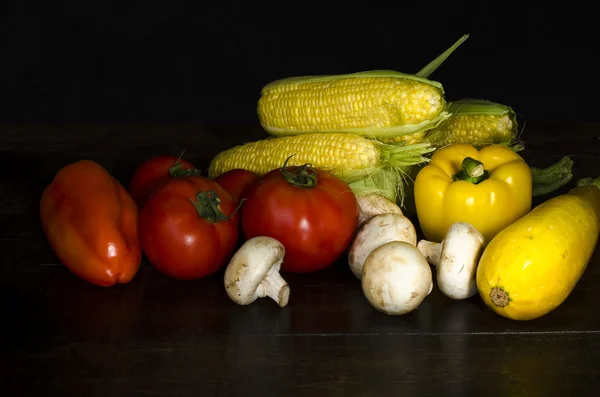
(490, 189)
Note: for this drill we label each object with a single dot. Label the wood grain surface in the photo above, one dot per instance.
(162, 337)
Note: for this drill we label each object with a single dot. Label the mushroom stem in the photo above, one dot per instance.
(253, 272)
(276, 288)
(456, 259)
(431, 251)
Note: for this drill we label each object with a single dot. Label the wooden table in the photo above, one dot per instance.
(161, 337)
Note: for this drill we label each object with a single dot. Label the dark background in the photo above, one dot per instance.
(157, 61)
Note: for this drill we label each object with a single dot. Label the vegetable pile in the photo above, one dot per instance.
(348, 165)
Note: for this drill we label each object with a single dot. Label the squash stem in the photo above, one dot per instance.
(499, 297)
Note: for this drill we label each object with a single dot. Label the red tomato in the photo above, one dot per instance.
(155, 172)
(314, 221)
(237, 182)
(187, 229)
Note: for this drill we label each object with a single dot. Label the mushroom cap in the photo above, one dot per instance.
(249, 267)
(396, 278)
(459, 256)
(379, 230)
(374, 204)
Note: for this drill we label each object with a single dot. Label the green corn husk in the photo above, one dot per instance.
(396, 183)
(384, 182)
(477, 122)
(432, 66)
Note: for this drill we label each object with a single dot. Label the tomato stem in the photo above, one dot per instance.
(302, 176)
(472, 171)
(177, 172)
(207, 205)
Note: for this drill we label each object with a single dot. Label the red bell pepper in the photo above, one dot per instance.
(91, 223)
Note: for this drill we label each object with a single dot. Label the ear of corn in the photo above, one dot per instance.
(347, 156)
(376, 104)
(477, 122)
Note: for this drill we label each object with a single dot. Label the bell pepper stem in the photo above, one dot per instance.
(472, 167)
(472, 171)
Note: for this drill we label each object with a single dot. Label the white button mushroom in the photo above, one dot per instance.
(379, 230)
(396, 278)
(253, 272)
(456, 259)
(375, 204)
